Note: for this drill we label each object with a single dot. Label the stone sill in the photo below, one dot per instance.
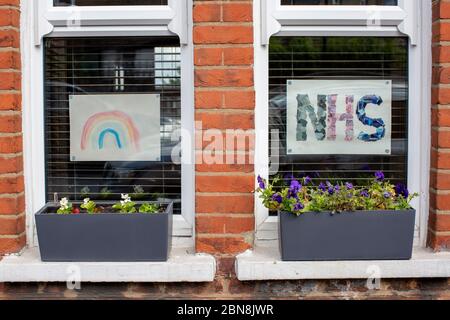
(182, 266)
(264, 263)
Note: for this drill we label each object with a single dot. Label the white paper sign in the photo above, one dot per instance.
(339, 117)
(115, 127)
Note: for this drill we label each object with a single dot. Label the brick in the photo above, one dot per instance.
(225, 140)
(227, 183)
(238, 56)
(440, 180)
(12, 205)
(206, 12)
(221, 245)
(11, 144)
(10, 81)
(10, 60)
(12, 244)
(208, 99)
(244, 168)
(440, 201)
(9, 17)
(10, 123)
(440, 159)
(225, 225)
(243, 121)
(223, 35)
(9, 38)
(438, 242)
(221, 204)
(11, 184)
(11, 164)
(239, 99)
(440, 117)
(440, 139)
(14, 3)
(10, 102)
(12, 225)
(237, 12)
(224, 77)
(439, 222)
(208, 56)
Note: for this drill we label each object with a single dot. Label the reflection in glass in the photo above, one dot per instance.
(59, 3)
(111, 66)
(340, 58)
(340, 2)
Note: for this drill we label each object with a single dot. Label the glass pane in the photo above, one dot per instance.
(340, 58)
(340, 2)
(78, 66)
(59, 3)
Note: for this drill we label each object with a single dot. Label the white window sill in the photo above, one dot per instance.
(182, 266)
(264, 263)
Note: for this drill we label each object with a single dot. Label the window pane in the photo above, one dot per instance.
(340, 2)
(339, 58)
(109, 2)
(77, 66)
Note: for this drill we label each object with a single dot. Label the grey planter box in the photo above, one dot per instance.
(104, 237)
(362, 235)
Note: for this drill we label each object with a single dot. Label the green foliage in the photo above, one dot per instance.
(149, 208)
(89, 205)
(303, 196)
(126, 205)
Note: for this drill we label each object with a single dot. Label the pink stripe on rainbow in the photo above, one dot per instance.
(110, 116)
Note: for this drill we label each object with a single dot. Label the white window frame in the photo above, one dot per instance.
(411, 18)
(41, 19)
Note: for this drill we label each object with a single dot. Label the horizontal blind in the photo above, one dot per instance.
(76, 66)
(109, 2)
(340, 2)
(340, 58)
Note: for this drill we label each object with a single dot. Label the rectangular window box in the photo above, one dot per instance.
(104, 237)
(363, 235)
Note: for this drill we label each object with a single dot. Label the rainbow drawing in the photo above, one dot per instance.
(117, 124)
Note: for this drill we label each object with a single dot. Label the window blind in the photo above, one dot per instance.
(75, 66)
(340, 58)
(59, 3)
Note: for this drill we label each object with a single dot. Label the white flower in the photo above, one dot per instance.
(86, 201)
(126, 198)
(122, 203)
(64, 203)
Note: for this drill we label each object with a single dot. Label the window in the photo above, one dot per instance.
(344, 40)
(126, 50)
(110, 2)
(77, 66)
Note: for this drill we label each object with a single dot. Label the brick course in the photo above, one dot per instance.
(12, 201)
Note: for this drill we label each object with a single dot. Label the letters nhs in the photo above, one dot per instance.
(339, 117)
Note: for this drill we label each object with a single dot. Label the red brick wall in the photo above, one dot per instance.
(224, 99)
(12, 207)
(439, 225)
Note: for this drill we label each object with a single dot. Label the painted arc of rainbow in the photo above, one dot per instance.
(116, 123)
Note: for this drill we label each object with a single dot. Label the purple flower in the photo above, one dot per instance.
(387, 195)
(277, 197)
(379, 176)
(261, 183)
(322, 187)
(299, 206)
(349, 186)
(337, 188)
(294, 189)
(307, 180)
(365, 194)
(402, 190)
(331, 190)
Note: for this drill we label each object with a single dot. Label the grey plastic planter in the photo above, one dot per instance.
(104, 237)
(362, 235)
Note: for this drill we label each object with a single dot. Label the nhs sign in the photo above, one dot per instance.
(339, 117)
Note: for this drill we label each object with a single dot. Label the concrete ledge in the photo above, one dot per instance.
(183, 266)
(265, 264)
